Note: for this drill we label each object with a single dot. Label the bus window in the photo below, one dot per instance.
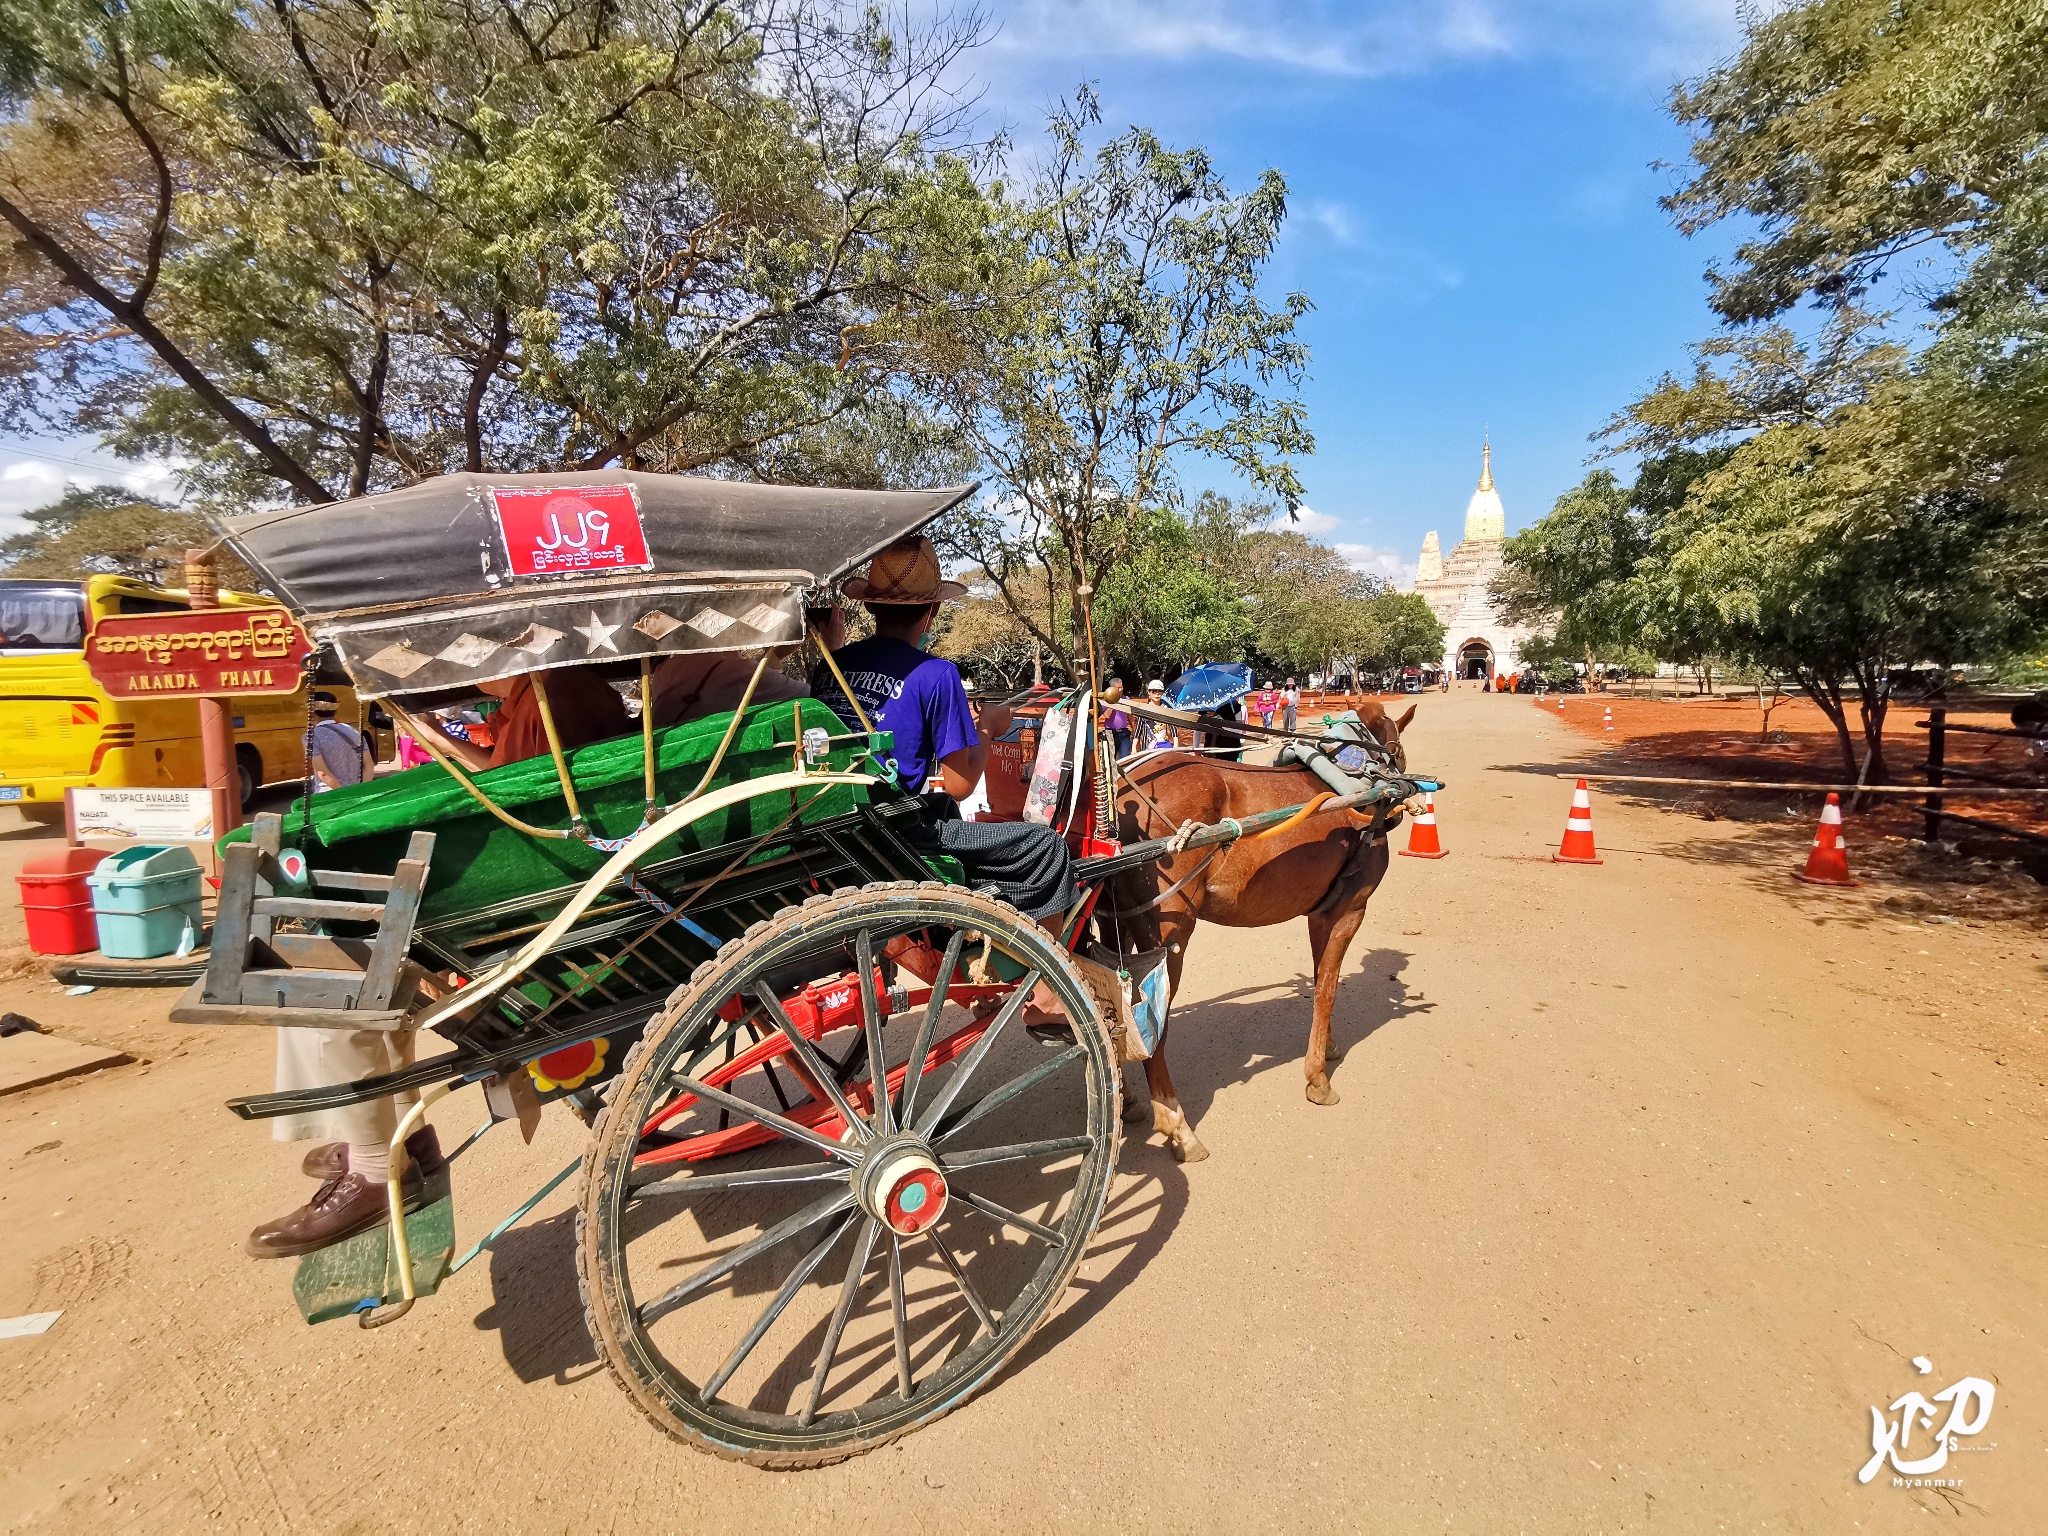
(41, 616)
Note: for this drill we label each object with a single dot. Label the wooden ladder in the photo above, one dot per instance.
(257, 975)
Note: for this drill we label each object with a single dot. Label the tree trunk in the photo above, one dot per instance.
(1827, 693)
(1875, 688)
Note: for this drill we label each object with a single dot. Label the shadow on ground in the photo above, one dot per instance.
(535, 1307)
(1234, 1037)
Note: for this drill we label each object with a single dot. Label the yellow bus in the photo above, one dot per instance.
(59, 730)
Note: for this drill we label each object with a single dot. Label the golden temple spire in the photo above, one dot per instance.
(1486, 466)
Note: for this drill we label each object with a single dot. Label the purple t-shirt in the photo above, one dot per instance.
(906, 691)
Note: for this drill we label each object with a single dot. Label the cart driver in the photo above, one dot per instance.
(920, 699)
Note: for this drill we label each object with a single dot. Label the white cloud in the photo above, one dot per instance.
(35, 475)
(1306, 520)
(1388, 564)
(1335, 220)
(1638, 38)
(1312, 36)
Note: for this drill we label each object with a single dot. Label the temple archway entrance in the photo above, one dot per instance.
(1475, 660)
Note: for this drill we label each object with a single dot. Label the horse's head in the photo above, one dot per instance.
(1386, 730)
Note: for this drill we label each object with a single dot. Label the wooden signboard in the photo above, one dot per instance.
(211, 653)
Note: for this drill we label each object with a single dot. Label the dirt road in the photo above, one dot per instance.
(1647, 1183)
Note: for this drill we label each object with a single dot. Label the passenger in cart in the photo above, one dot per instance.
(922, 701)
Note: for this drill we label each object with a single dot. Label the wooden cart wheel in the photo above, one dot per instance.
(782, 1266)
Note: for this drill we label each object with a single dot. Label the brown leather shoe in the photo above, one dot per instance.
(329, 1160)
(326, 1162)
(339, 1208)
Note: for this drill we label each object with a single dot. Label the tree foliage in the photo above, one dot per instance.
(1216, 583)
(1856, 508)
(324, 247)
(1136, 346)
(1856, 132)
(104, 530)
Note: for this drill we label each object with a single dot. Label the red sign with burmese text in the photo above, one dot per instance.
(214, 653)
(563, 530)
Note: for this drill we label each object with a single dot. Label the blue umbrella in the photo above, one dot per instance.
(1209, 685)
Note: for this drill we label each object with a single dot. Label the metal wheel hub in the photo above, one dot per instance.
(901, 1184)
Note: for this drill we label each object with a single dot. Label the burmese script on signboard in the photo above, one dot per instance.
(146, 815)
(214, 653)
(550, 531)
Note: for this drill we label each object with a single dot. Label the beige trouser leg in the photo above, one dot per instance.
(323, 1058)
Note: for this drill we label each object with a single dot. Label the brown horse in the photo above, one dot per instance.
(1324, 869)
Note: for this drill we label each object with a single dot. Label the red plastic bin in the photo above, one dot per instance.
(56, 903)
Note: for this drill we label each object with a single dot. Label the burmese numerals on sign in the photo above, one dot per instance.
(215, 653)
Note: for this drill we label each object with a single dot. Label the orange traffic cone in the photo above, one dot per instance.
(1422, 839)
(1560, 704)
(1610, 717)
(1577, 847)
(1828, 863)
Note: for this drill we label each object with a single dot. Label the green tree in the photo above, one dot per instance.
(324, 248)
(1135, 344)
(1404, 632)
(1853, 133)
(105, 530)
(1569, 573)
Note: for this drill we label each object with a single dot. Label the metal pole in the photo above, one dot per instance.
(216, 716)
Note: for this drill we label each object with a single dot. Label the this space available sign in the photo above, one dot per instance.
(561, 531)
(151, 815)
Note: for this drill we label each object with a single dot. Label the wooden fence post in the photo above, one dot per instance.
(1937, 757)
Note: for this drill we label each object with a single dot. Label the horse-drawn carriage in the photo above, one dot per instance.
(833, 1182)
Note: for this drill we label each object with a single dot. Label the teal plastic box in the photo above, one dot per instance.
(145, 903)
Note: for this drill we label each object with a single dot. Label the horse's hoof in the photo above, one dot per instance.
(1323, 1094)
(1188, 1150)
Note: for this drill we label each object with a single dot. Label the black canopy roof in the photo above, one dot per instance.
(465, 578)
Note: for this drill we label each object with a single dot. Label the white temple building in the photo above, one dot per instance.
(1477, 641)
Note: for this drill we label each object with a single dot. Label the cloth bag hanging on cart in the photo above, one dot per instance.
(1135, 992)
(1056, 772)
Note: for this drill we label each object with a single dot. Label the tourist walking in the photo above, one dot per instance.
(1291, 700)
(1157, 732)
(1265, 704)
(1115, 719)
(338, 752)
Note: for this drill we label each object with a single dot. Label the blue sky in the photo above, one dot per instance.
(1475, 217)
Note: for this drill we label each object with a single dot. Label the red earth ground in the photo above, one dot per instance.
(1718, 738)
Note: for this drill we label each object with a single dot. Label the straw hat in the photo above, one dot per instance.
(907, 572)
